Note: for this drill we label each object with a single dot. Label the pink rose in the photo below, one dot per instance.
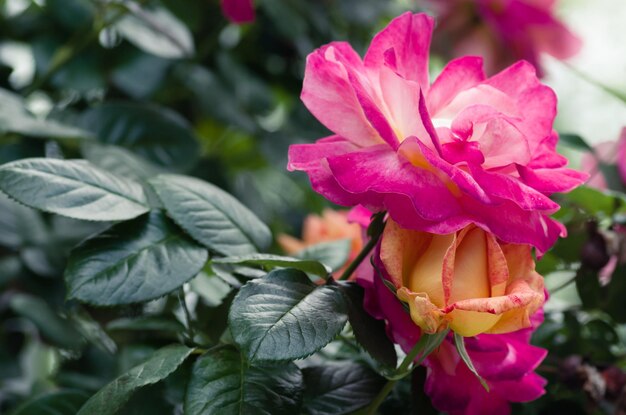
(332, 225)
(503, 31)
(506, 361)
(238, 11)
(464, 149)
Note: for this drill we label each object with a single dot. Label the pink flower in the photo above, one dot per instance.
(332, 225)
(466, 149)
(609, 152)
(503, 31)
(238, 11)
(506, 361)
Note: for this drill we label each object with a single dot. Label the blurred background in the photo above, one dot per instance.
(141, 87)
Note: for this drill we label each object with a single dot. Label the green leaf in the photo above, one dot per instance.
(333, 254)
(612, 176)
(369, 332)
(72, 188)
(123, 162)
(20, 225)
(338, 388)
(14, 118)
(56, 329)
(133, 262)
(284, 316)
(211, 216)
(155, 133)
(594, 201)
(110, 399)
(146, 323)
(459, 342)
(575, 141)
(430, 343)
(62, 402)
(222, 383)
(273, 261)
(156, 31)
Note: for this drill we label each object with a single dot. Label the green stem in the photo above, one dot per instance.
(382, 395)
(617, 94)
(563, 285)
(357, 261)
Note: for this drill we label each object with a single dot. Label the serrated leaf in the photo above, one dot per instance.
(54, 328)
(211, 216)
(274, 261)
(110, 399)
(338, 388)
(156, 31)
(333, 254)
(284, 316)
(133, 262)
(72, 188)
(62, 402)
(459, 342)
(120, 160)
(369, 332)
(222, 383)
(155, 133)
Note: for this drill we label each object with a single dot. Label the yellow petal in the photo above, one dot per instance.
(471, 278)
(426, 276)
(423, 312)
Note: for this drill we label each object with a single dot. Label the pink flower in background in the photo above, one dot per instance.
(609, 152)
(506, 361)
(332, 225)
(238, 11)
(464, 149)
(502, 31)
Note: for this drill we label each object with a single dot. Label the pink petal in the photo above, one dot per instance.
(238, 11)
(311, 158)
(328, 93)
(510, 188)
(458, 75)
(408, 36)
(550, 181)
(621, 155)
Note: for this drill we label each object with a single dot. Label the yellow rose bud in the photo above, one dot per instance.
(467, 281)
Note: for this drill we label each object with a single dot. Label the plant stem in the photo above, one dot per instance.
(357, 261)
(563, 285)
(382, 395)
(374, 231)
(617, 94)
